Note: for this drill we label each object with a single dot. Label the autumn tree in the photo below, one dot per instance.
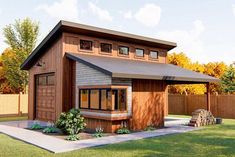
(180, 59)
(21, 37)
(5, 87)
(228, 80)
(215, 69)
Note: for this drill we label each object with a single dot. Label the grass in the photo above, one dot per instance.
(4, 119)
(217, 140)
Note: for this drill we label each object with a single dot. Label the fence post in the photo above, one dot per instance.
(185, 104)
(19, 104)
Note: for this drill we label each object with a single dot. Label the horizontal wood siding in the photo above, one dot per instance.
(86, 75)
(148, 103)
(108, 126)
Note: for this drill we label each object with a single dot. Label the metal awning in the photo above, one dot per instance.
(134, 69)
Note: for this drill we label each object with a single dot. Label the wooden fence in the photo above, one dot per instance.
(221, 105)
(13, 104)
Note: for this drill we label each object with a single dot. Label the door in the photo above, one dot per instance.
(45, 97)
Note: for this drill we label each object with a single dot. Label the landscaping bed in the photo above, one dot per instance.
(83, 135)
(72, 127)
(215, 140)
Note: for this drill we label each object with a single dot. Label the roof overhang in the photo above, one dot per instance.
(125, 68)
(70, 27)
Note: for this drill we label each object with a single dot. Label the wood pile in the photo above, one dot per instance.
(201, 117)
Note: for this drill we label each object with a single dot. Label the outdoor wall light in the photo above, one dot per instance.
(40, 63)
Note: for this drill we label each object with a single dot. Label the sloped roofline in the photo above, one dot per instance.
(122, 68)
(71, 27)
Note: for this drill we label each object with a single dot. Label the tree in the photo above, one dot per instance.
(183, 61)
(216, 69)
(21, 37)
(228, 80)
(5, 87)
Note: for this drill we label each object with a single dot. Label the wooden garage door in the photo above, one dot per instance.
(45, 97)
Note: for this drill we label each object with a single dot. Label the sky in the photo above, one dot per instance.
(204, 29)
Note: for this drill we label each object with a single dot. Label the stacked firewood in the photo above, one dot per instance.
(201, 117)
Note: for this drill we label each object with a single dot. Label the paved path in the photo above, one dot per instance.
(59, 145)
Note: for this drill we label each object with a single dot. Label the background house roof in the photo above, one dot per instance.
(70, 27)
(125, 68)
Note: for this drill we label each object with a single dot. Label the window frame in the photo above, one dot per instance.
(123, 55)
(85, 50)
(137, 55)
(103, 52)
(151, 58)
(100, 105)
(46, 79)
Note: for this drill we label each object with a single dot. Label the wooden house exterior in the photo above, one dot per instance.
(114, 78)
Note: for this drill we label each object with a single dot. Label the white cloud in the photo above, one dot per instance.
(188, 41)
(63, 9)
(102, 14)
(149, 15)
(233, 7)
(128, 15)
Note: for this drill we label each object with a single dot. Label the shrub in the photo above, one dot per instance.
(73, 138)
(36, 126)
(123, 129)
(71, 123)
(98, 132)
(50, 129)
(149, 128)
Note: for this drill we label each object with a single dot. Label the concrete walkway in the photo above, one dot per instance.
(59, 145)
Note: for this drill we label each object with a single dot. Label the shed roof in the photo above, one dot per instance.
(70, 27)
(125, 68)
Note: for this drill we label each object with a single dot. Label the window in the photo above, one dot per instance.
(103, 99)
(50, 80)
(94, 99)
(154, 54)
(42, 80)
(123, 50)
(84, 98)
(45, 79)
(122, 99)
(104, 47)
(139, 52)
(86, 45)
(106, 99)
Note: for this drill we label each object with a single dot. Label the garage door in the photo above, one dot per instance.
(45, 97)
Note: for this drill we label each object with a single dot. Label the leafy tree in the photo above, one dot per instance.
(228, 80)
(215, 69)
(21, 37)
(5, 87)
(183, 61)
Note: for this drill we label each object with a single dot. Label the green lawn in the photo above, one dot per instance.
(218, 140)
(4, 119)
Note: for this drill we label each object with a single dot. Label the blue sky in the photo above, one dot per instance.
(203, 29)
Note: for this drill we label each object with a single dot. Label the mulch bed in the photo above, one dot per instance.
(83, 135)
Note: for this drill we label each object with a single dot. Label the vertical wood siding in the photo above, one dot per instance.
(148, 103)
(51, 63)
(221, 105)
